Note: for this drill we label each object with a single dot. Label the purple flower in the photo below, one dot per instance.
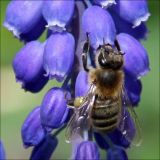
(116, 153)
(58, 13)
(28, 67)
(54, 109)
(87, 150)
(2, 151)
(59, 55)
(45, 149)
(22, 17)
(32, 131)
(100, 26)
(134, 12)
(136, 60)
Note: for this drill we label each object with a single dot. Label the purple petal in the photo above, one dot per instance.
(133, 88)
(81, 86)
(134, 12)
(58, 13)
(37, 85)
(122, 26)
(2, 151)
(104, 3)
(22, 16)
(45, 149)
(116, 153)
(99, 24)
(136, 61)
(54, 109)
(28, 67)
(59, 55)
(35, 32)
(32, 131)
(87, 150)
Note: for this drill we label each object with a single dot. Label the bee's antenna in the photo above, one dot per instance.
(118, 47)
(87, 35)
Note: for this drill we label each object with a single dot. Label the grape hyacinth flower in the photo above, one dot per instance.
(54, 102)
(59, 58)
(28, 67)
(56, 55)
(24, 19)
(32, 131)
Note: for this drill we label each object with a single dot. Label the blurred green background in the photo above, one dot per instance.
(16, 104)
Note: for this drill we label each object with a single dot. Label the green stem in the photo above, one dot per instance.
(59, 130)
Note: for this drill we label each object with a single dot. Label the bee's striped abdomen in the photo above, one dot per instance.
(105, 115)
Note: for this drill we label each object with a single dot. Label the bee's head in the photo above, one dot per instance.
(108, 58)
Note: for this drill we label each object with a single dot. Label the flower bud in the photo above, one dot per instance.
(2, 152)
(54, 109)
(22, 16)
(58, 13)
(28, 67)
(59, 55)
(100, 26)
(45, 149)
(134, 12)
(116, 153)
(82, 85)
(87, 150)
(104, 3)
(136, 60)
(32, 131)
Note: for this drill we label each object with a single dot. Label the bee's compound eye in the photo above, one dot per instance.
(101, 60)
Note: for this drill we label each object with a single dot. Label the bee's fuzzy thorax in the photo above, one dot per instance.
(107, 90)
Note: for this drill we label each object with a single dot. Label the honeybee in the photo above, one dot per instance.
(106, 106)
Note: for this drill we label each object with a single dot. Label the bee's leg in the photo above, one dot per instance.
(118, 47)
(86, 48)
(75, 102)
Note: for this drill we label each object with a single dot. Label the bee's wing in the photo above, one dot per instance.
(130, 126)
(80, 122)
